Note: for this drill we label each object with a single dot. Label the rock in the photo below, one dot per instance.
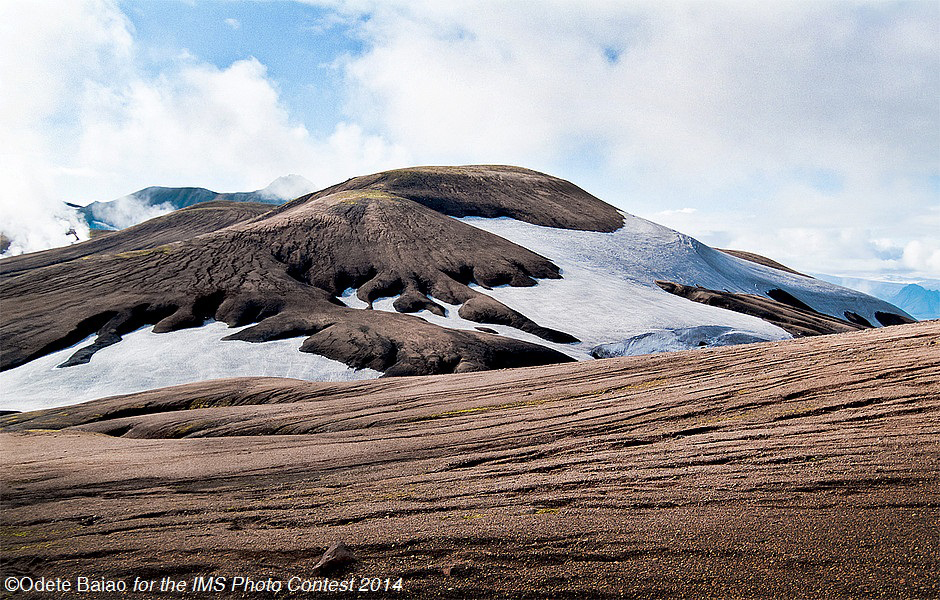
(886, 319)
(459, 569)
(412, 301)
(796, 321)
(337, 556)
(487, 330)
(484, 309)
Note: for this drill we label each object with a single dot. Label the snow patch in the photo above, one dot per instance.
(145, 360)
(674, 340)
(350, 299)
(608, 291)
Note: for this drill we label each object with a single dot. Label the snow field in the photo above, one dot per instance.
(145, 360)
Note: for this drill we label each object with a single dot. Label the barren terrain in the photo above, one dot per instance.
(804, 468)
(307, 268)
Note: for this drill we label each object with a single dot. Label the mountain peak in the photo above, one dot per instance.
(287, 187)
(489, 191)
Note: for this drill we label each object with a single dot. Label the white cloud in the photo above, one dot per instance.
(128, 210)
(32, 218)
(288, 187)
(222, 128)
(47, 49)
(691, 90)
(768, 119)
(235, 24)
(922, 255)
(86, 123)
(774, 122)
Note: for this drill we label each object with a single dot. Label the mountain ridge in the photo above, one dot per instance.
(153, 201)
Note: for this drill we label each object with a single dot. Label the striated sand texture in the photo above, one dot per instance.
(805, 468)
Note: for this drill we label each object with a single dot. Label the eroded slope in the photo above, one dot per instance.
(283, 271)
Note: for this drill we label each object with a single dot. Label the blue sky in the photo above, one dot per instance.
(298, 43)
(806, 131)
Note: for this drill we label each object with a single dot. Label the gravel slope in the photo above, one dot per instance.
(806, 467)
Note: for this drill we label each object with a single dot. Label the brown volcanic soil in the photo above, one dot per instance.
(490, 191)
(282, 271)
(805, 468)
(761, 260)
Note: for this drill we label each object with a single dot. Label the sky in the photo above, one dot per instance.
(805, 131)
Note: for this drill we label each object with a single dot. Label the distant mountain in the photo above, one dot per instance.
(918, 301)
(921, 299)
(155, 201)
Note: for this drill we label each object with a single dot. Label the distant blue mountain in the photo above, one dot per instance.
(155, 201)
(920, 300)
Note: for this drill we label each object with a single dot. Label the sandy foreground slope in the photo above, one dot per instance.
(805, 468)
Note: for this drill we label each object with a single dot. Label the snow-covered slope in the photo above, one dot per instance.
(607, 292)
(595, 307)
(642, 252)
(145, 360)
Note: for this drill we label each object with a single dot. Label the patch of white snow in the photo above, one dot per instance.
(350, 299)
(674, 340)
(145, 360)
(608, 293)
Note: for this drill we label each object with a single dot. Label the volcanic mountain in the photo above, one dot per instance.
(408, 272)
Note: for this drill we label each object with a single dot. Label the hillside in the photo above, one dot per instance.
(407, 272)
(798, 468)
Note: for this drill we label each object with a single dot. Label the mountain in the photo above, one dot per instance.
(415, 271)
(155, 201)
(749, 465)
(921, 299)
(918, 301)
